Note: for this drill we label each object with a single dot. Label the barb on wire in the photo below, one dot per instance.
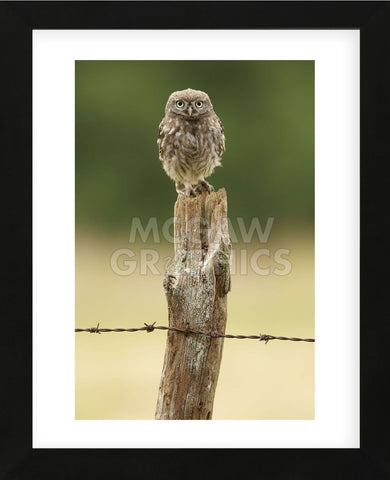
(151, 327)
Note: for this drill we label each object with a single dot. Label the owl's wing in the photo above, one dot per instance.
(221, 139)
(160, 138)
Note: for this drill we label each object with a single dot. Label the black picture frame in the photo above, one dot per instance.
(18, 460)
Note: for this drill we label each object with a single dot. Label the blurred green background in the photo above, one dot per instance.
(267, 108)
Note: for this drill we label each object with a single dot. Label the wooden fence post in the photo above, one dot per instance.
(196, 285)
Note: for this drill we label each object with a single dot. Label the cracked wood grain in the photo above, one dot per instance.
(196, 284)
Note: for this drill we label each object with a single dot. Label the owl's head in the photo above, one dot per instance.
(190, 104)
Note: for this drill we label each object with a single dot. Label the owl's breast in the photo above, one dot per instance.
(189, 150)
(195, 142)
(186, 143)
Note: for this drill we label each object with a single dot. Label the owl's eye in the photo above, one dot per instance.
(198, 104)
(180, 104)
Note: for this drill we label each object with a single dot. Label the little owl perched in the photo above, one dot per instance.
(190, 140)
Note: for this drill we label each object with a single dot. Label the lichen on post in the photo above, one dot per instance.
(196, 286)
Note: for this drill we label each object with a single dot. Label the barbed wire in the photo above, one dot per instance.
(151, 327)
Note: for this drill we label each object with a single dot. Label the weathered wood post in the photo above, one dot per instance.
(196, 285)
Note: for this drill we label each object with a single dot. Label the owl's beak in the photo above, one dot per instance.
(189, 110)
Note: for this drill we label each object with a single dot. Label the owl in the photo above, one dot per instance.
(191, 141)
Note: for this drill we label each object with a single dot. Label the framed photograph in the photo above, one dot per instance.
(124, 226)
(133, 114)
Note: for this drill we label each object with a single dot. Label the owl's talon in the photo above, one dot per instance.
(204, 185)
